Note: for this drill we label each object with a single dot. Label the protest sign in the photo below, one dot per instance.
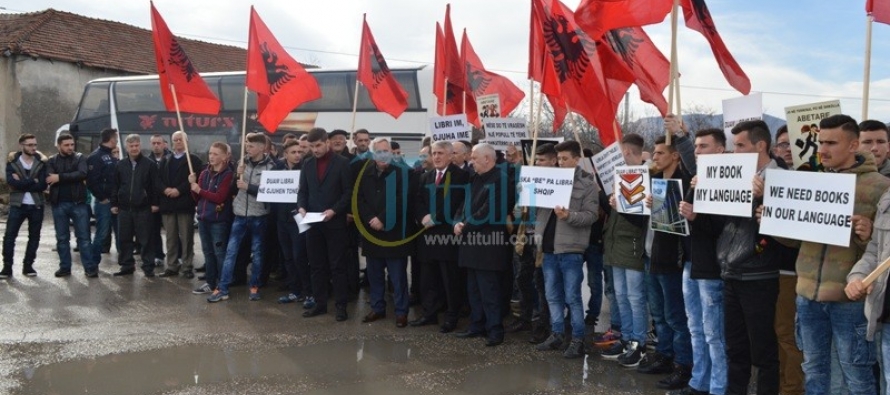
(527, 155)
(809, 206)
(279, 186)
(545, 186)
(605, 161)
(501, 132)
(489, 105)
(803, 132)
(740, 109)
(725, 184)
(666, 198)
(632, 186)
(450, 128)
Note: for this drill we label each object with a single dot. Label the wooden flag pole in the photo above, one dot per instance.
(188, 156)
(354, 108)
(571, 117)
(243, 131)
(672, 88)
(868, 280)
(444, 96)
(866, 80)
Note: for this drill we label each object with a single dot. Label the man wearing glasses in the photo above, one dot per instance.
(26, 176)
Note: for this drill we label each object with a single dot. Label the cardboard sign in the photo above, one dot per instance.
(451, 128)
(725, 184)
(803, 132)
(279, 186)
(666, 198)
(605, 162)
(740, 109)
(489, 106)
(546, 187)
(501, 132)
(632, 186)
(527, 155)
(809, 206)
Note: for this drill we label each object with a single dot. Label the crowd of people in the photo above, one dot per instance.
(700, 310)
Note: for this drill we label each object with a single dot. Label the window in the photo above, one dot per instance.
(406, 78)
(336, 92)
(138, 96)
(232, 94)
(94, 102)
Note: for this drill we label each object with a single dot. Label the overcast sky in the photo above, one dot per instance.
(795, 52)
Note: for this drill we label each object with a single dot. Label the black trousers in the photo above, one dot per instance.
(749, 317)
(295, 258)
(133, 223)
(327, 263)
(543, 307)
(525, 280)
(442, 285)
(486, 302)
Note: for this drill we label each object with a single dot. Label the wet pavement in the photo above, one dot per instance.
(137, 335)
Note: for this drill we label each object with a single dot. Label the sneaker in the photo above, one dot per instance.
(575, 350)
(203, 289)
(632, 356)
(309, 303)
(614, 351)
(607, 339)
(677, 380)
(6, 272)
(554, 342)
(62, 273)
(254, 293)
(656, 363)
(29, 271)
(217, 296)
(188, 274)
(289, 298)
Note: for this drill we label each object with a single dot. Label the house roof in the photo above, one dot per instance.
(103, 44)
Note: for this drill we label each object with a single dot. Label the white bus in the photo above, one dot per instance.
(134, 105)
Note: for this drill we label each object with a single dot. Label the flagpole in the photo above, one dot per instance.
(354, 107)
(673, 85)
(866, 81)
(444, 96)
(243, 130)
(531, 102)
(571, 117)
(188, 156)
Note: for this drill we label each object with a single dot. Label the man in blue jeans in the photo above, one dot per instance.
(564, 233)
(67, 171)
(100, 182)
(26, 176)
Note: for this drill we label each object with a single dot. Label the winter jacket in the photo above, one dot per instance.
(134, 187)
(387, 196)
(101, 169)
(72, 171)
(174, 173)
(572, 235)
(214, 199)
(877, 251)
(33, 181)
(484, 243)
(822, 269)
(245, 204)
(624, 239)
(284, 212)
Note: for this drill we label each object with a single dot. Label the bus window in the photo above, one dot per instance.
(232, 96)
(94, 102)
(138, 96)
(408, 80)
(336, 93)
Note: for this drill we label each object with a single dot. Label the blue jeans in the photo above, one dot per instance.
(594, 258)
(614, 312)
(79, 214)
(398, 274)
(884, 338)
(631, 297)
(255, 227)
(667, 309)
(214, 240)
(821, 324)
(17, 216)
(704, 310)
(562, 284)
(103, 229)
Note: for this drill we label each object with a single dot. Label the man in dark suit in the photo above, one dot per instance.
(483, 227)
(440, 195)
(326, 187)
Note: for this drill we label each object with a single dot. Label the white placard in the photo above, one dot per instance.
(725, 184)
(740, 109)
(803, 132)
(501, 132)
(451, 128)
(808, 206)
(632, 187)
(546, 187)
(605, 162)
(279, 186)
(489, 105)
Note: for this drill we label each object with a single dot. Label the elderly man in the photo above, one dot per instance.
(177, 206)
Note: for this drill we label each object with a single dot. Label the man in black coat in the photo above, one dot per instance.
(326, 187)
(177, 206)
(133, 199)
(483, 250)
(440, 194)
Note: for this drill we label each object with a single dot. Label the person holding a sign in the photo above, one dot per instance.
(826, 316)
(875, 138)
(565, 232)
(291, 241)
(177, 206)
(212, 191)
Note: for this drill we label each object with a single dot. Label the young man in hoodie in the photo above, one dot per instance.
(26, 176)
(212, 191)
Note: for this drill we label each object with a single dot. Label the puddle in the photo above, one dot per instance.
(175, 368)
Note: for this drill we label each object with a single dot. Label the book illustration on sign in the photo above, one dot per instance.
(666, 198)
(633, 191)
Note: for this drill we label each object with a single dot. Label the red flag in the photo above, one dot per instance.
(454, 68)
(385, 92)
(597, 17)
(879, 9)
(650, 68)
(482, 82)
(588, 84)
(280, 82)
(540, 69)
(446, 96)
(698, 18)
(175, 68)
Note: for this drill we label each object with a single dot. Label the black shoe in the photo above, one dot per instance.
(373, 316)
(188, 274)
(494, 342)
(123, 272)
(92, 274)
(63, 273)
(341, 313)
(28, 270)
(6, 272)
(149, 273)
(423, 321)
(168, 273)
(316, 311)
(202, 277)
(656, 364)
(467, 335)
(575, 350)
(201, 269)
(539, 334)
(519, 325)
(677, 380)
(614, 351)
(590, 320)
(554, 342)
(447, 327)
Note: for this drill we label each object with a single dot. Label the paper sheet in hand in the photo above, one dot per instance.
(299, 219)
(311, 218)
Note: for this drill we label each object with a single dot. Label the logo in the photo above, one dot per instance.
(276, 74)
(147, 122)
(570, 47)
(180, 59)
(378, 65)
(477, 80)
(360, 223)
(632, 188)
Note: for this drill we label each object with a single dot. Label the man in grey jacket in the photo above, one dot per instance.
(564, 232)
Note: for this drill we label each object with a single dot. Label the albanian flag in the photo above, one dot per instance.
(385, 92)
(698, 18)
(650, 68)
(879, 9)
(483, 82)
(597, 17)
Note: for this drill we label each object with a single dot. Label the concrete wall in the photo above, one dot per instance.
(37, 97)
